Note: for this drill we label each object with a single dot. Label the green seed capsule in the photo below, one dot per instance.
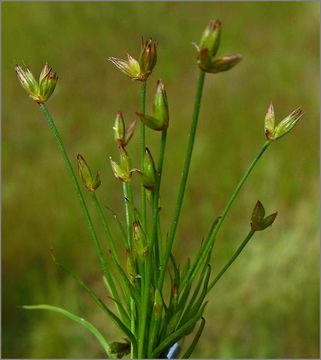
(258, 220)
(86, 176)
(119, 129)
(149, 178)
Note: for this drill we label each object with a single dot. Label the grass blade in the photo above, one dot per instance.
(178, 334)
(191, 348)
(77, 319)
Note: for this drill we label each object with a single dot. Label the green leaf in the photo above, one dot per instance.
(178, 334)
(77, 319)
(197, 336)
(192, 309)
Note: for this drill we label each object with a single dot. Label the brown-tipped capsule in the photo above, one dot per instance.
(209, 43)
(119, 129)
(149, 176)
(258, 220)
(161, 105)
(148, 58)
(224, 63)
(208, 48)
(41, 90)
(90, 183)
(160, 118)
(47, 82)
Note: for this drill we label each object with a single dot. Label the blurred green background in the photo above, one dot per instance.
(267, 306)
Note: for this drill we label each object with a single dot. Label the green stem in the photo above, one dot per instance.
(76, 185)
(132, 324)
(210, 244)
(97, 244)
(103, 219)
(187, 162)
(155, 210)
(151, 244)
(128, 214)
(232, 259)
(142, 152)
(144, 224)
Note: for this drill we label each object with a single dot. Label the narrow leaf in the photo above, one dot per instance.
(191, 348)
(77, 319)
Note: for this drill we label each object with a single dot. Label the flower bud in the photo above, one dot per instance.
(38, 91)
(119, 129)
(121, 170)
(224, 63)
(273, 132)
(139, 241)
(149, 176)
(148, 58)
(209, 43)
(84, 171)
(258, 221)
(160, 118)
(161, 104)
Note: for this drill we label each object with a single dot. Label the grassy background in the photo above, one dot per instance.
(268, 305)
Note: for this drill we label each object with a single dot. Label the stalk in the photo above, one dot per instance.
(128, 214)
(142, 151)
(103, 219)
(81, 199)
(187, 162)
(151, 244)
(210, 244)
(143, 314)
(232, 259)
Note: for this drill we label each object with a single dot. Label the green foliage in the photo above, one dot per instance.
(85, 33)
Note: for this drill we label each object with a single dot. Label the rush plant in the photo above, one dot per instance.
(156, 302)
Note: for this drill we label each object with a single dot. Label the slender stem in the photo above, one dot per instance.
(184, 176)
(232, 259)
(76, 185)
(155, 212)
(142, 151)
(152, 240)
(127, 214)
(97, 244)
(132, 324)
(210, 244)
(103, 219)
